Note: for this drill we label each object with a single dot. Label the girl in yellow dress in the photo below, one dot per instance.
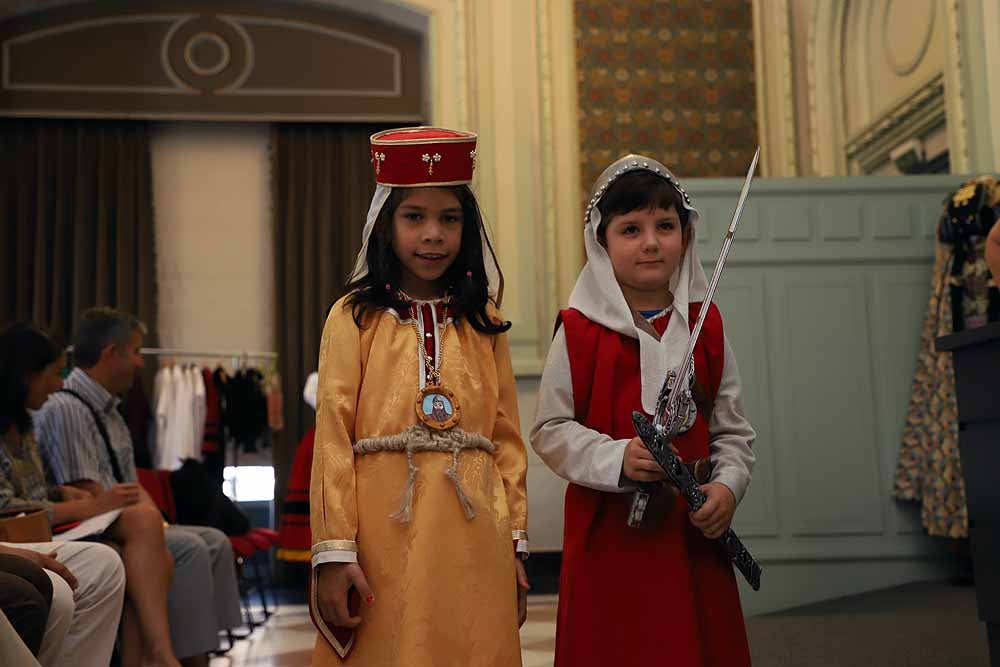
(418, 501)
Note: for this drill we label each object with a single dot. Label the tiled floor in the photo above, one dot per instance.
(287, 639)
(921, 624)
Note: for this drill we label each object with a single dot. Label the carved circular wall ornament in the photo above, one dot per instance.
(206, 54)
(907, 28)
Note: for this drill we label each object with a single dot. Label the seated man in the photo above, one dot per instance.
(88, 588)
(87, 445)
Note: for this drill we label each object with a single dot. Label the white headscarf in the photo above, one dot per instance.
(599, 297)
(381, 196)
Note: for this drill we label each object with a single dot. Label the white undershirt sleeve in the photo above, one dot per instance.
(573, 451)
(731, 437)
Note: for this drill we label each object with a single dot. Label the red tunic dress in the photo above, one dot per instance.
(661, 594)
(295, 541)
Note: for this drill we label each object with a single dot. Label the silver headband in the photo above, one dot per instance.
(630, 162)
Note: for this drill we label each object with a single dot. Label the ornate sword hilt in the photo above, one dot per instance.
(690, 490)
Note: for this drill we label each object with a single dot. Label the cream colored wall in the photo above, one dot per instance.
(799, 22)
(212, 203)
(775, 91)
(851, 61)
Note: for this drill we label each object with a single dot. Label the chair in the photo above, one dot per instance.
(246, 549)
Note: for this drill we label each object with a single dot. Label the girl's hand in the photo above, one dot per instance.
(639, 465)
(332, 585)
(716, 514)
(522, 591)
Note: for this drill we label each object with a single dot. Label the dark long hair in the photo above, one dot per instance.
(24, 351)
(466, 279)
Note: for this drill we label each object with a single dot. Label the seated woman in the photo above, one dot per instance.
(30, 365)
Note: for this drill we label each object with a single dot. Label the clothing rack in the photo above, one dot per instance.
(237, 356)
(243, 354)
(240, 358)
(169, 352)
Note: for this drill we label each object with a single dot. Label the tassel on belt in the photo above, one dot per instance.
(419, 438)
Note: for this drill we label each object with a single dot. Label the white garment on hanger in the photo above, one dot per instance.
(180, 430)
(163, 398)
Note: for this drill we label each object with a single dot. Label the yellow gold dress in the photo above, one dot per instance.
(444, 583)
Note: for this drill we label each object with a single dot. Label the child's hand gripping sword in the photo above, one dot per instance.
(674, 414)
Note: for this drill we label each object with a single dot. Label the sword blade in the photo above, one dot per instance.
(659, 419)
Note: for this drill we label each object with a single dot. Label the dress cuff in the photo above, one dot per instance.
(334, 551)
(521, 547)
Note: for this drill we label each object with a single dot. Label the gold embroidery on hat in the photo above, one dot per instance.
(430, 160)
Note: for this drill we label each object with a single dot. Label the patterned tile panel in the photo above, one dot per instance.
(670, 78)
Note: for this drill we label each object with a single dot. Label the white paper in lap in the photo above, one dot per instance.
(95, 525)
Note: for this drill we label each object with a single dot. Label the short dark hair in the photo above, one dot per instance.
(100, 327)
(24, 351)
(637, 190)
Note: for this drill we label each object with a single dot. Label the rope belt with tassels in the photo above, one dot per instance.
(419, 438)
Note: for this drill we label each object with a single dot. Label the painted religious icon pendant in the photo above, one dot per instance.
(437, 407)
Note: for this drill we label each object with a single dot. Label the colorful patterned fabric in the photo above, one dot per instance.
(929, 469)
(673, 80)
(23, 479)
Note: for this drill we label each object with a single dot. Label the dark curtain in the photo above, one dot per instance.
(322, 184)
(76, 216)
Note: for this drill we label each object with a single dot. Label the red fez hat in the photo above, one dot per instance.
(423, 156)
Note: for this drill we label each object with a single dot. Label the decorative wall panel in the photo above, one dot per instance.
(674, 80)
(222, 60)
(823, 296)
